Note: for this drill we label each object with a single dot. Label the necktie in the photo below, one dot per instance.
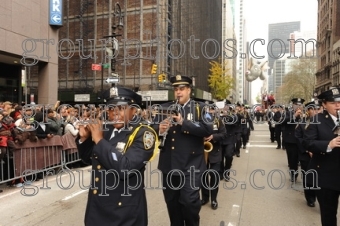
(114, 134)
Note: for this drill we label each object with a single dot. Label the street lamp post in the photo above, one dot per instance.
(116, 11)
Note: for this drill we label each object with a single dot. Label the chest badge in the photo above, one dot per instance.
(120, 147)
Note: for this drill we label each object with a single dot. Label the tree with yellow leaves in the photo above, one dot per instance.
(219, 80)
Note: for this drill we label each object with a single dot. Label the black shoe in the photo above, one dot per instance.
(237, 155)
(278, 147)
(244, 147)
(311, 204)
(214, 205)
(203, 202)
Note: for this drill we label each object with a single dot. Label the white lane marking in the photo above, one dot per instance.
(234, 215)
(262, 146)
(235, 211)
(38, 184)
(74, 195)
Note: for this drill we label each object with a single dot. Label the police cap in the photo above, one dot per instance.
(314, 104)
(121, 96)
(180, 80)
(333, 94)
(297, 101)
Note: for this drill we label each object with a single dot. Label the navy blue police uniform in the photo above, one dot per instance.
(290, 123)
(117, 163)
(182, 153)
(213, 160)
(304, 156)
(325, 161)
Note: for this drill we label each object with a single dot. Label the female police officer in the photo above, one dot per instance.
(322, 140)
(118, 158)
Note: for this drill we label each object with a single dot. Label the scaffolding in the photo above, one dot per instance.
(150, 25)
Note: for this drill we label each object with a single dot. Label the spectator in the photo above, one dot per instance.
(54, 122)
(69, 127)
(42, 129)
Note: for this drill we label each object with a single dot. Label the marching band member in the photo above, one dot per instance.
(123, 148)
(213, 161)
(323, 140)
(183, 152)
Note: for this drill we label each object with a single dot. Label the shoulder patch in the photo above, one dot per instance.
(148, 140)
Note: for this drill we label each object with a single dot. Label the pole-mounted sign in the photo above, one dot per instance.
(56, 12)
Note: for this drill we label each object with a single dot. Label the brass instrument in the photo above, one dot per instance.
(208, 146)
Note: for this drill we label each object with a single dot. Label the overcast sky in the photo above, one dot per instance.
(260, 13)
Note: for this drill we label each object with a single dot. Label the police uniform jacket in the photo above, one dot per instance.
(278, 115)
(246, 122)
(110, 166)
(290, 124)
(299, 133)
(184, 144)
(219, 134)
(231, 127)
(326, 164)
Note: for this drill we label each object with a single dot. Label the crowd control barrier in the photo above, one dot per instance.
(34, 157)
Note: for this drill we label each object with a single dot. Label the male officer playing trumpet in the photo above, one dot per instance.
(181, 159)
(213, 160)
(118, 158)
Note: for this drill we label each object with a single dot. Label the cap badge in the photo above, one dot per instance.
(113, 92)
(178, 77)
(335, 91)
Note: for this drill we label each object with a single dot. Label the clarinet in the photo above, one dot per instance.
(174, 111)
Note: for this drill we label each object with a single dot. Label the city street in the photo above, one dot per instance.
(260, 193)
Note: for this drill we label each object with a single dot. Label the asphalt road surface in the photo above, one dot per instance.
(259, 194)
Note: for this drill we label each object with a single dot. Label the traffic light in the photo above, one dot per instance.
(160, 78)
(163, 77)
(154, 69)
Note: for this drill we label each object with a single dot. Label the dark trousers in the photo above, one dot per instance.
(210, 181)
(238, 143)
(310, 194)
(278, 135)
(328, 201)
(272, 133)
(244, 136)
(227, 157)
(293, 157)
(183, 204)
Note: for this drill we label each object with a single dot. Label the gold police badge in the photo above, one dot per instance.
(148, 140)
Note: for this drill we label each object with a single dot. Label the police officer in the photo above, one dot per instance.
(181, 159)
(304, 155)
(278, 118)
(290, 122)
(213, 160)
(238, 129)
(228, 144)
(118, 157)
(323, 140)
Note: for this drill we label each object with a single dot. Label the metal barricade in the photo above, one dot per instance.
(34, 157)
(70, 151)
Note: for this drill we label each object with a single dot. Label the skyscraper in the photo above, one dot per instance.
(278, 44)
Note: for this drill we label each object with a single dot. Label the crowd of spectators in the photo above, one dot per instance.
(30, 122)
